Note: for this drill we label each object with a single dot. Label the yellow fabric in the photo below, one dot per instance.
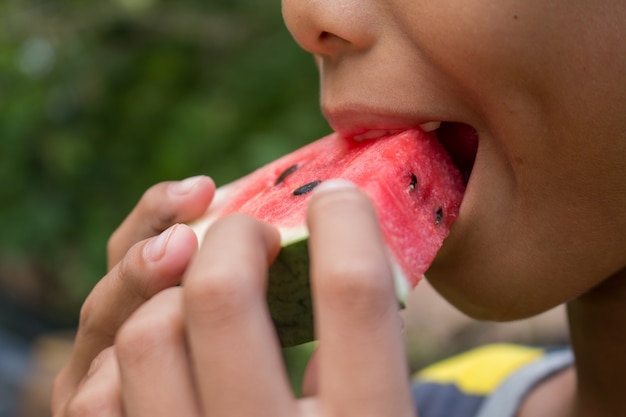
(481, 370)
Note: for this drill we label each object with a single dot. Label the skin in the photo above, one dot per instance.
(541, 223)
(168, 342)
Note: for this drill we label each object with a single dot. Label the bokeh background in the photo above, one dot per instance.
(101, 99)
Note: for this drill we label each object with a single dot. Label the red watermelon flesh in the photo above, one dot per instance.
(414, 185)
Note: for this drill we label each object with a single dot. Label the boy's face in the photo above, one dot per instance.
(543, 85)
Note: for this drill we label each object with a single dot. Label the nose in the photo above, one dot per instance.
(331, 27)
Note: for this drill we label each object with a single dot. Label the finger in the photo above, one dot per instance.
(362, 366)
(149, 267)
(99, 393)
(311, 376)
(234, 345)
(160, 207)
(154, 363)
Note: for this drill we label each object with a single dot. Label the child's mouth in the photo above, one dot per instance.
(461, 142)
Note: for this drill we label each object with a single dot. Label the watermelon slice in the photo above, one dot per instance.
(415, 187)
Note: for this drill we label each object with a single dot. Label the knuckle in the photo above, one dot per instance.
(160, 215)
(359, 289)
(92, 323)
(95, 396)
(127, 272)
(233, 273)
(130, 271)
(85, 314)
(97, 362)
(144, 333)
(149, 216)
(113, 243)
(89, 403)
(95, 315)
(79, 406)
(221, 294)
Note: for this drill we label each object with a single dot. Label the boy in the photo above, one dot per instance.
(541, 84)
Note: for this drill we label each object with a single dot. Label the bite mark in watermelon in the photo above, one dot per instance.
(414, 185)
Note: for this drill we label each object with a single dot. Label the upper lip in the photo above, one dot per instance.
(354, 121)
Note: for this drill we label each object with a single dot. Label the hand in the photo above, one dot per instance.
(146, 254)
(208, 348)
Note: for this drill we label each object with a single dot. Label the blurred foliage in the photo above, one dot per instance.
(101, 99)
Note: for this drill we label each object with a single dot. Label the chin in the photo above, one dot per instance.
(492, 297)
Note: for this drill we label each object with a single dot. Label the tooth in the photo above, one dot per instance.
(374, 134)
(430, 126)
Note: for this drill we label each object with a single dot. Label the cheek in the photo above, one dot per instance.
(516, 252)
(484, 47)
(537, 227)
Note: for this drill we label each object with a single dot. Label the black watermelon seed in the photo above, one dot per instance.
(286, 173)
(413, 183)
(307, 188)
(439, 215)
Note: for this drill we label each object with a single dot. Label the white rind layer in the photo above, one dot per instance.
(288, 235)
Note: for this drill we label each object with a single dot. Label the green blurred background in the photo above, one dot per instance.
(101, 99)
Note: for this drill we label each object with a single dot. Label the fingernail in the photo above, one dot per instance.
(155, 249)
(184, 186)
(334, 185)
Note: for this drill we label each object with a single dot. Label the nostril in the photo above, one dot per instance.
(325, 40)
(330, 44)
(331, 27)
